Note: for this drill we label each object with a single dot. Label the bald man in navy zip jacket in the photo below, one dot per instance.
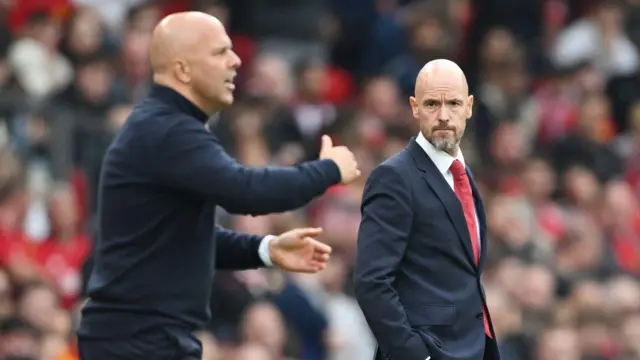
(163, 176)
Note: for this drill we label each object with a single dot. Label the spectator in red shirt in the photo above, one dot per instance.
(61, 256)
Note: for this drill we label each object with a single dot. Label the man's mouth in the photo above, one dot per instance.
(229, 83)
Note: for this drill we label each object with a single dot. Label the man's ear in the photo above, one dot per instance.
(414, 106)
(183, 71)
(469, 106)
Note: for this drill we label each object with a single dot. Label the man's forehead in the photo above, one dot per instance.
(450, 87)
(447, 90)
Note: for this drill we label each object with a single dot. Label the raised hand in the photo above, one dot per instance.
(343, 157)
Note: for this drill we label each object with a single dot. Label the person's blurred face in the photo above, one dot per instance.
(95, 81)
(508, 274)
(263, 325)
(630, 334)
(6, 303)
(85, 36)
(505, 314)
(19, 345)
(558, 344)
(334, 276)
(248, 125)
(381, 98)
(634, 118)
(270, 78)
(508, 146)
(497, 45)
(587, 296)
(212, 67)
(593, 338)
(537, 287)
(442, 106)
(48, 34)
(581, 186)
(428, 36)
(592, 113)
(146, 19)
(252, 352)
(39, 306)
(610, 18)
(624, 296)
(313, 82)
(63, 211)
(539, 179)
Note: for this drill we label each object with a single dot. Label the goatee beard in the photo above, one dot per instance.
(448, 146)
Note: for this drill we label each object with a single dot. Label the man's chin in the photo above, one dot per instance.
(445, 145)
(227, 100)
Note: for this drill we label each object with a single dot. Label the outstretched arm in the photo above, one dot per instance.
(191, 158)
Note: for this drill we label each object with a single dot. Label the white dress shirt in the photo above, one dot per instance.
(443, 162)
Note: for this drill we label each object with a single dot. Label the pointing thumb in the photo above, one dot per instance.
(327, 143)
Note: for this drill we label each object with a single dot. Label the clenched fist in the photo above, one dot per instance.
(343, 157)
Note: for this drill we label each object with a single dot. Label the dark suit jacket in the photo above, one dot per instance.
(415, 278)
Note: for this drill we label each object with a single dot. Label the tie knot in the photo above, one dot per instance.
(457, 169)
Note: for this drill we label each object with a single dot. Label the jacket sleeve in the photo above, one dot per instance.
(237, 251)
(189, 157)
(382, 241)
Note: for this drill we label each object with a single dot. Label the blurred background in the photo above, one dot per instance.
(554, 142)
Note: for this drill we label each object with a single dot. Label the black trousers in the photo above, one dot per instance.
(155, 345)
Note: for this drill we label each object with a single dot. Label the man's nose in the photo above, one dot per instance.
(235, 60)
(443, 114)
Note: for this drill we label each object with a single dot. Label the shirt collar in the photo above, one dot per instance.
(174, 99)
(441, 159)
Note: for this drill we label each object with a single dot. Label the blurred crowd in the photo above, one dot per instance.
(554, 142)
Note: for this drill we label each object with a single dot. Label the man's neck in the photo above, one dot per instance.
(188, 94)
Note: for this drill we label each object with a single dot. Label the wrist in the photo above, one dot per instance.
(334, 176)
(266, 250)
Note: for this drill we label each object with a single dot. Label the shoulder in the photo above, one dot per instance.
(394, 166)
(399, 160)
(392, 172)
(151, 122)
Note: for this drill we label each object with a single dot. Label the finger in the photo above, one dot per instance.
(306, 232)
(312, 267)
(320, 247)
(327, 143)
(316, 266)
(321, 257)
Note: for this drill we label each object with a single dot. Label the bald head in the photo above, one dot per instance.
(177, 35)
(192, 53)
(441, 70)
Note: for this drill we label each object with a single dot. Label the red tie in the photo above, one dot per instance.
(463, 191)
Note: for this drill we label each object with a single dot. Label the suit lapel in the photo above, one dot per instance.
(482, 218)
(447, 196)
